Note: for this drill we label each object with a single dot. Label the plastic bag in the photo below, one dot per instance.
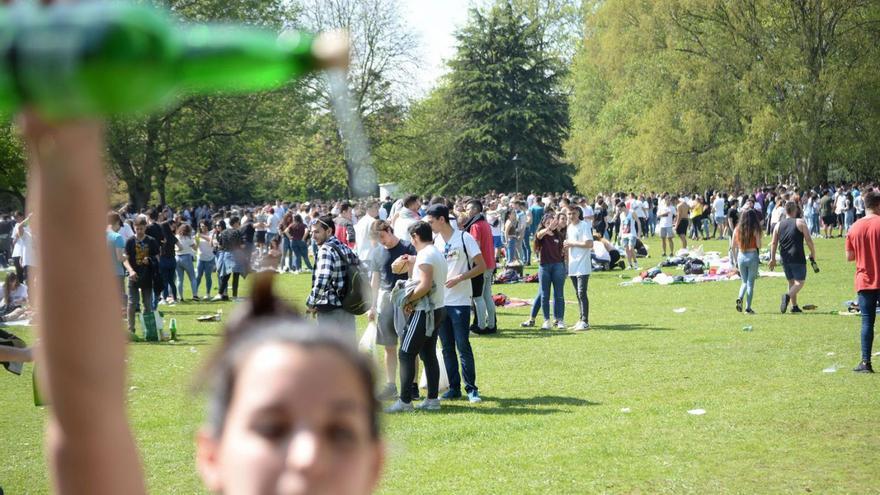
(151, 322)
(444, 378)
(367, 343)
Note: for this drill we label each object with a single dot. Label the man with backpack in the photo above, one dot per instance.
(329, 288)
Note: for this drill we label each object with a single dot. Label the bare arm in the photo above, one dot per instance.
(802, 226)
(15, 355)
(773, 243)
(426, 275)
(91, 449)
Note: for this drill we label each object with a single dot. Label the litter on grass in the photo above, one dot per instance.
(193, 350)
(830, 369)
(747, 328)
(679, 310)
(829, 354)
(697, 412)
(625, 410)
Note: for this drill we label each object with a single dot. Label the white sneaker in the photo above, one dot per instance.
(216, 298)
(399, 406)
(580, 326)
(429, 405)
(547, 325)
(560, 325)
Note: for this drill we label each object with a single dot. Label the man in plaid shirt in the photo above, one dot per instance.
(328, 279)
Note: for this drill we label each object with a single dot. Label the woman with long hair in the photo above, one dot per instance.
(297, 231)
(185, 255)
(746, 244)
(510, 229)
(206, 265)
(286, 249)
(551, 271)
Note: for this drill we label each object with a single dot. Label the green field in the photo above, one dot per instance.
(552, 420)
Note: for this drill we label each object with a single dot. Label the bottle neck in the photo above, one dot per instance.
(235, 59)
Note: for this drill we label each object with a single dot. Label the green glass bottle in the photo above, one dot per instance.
(39, 401)
(97, 58)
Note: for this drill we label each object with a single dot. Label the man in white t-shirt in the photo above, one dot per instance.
(425, 313)
(579, 242)
(464, 261)
(587, 210)
(273, 222)
(665, 216)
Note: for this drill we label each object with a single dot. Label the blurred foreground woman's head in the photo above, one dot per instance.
(291, 407)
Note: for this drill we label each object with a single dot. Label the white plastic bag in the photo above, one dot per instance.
(368, 340)
(444, 378)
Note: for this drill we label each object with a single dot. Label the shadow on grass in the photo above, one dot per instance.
(525, 333)
(626, 327)
(541, 405)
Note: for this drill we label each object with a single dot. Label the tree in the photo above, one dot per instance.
(144, 152)
(693, 93)
(13, 169)
(505, 89)
(382, 64)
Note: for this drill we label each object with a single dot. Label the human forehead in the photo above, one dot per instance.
(279, 375)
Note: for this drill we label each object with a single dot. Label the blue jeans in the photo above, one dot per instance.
(455, 333)
(868, 308)
(748, 272)
(168, 270)
(185, 266)
(527, 247)
(286, 252)
(552, 274)
(301, 255)
(512, 253)
(206, 268)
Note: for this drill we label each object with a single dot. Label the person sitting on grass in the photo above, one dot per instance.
(291, 405)
(13, 298)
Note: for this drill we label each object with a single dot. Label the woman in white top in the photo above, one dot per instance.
(206, 267)
(184, 251)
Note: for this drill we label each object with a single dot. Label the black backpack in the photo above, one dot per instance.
(355, 289)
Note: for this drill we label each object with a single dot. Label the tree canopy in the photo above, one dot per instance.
(687, 93)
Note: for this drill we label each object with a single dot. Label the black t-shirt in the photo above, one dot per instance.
(230, 240)
(733, 215)
(247, 233)
(154, 230)
(6, 227)
(169, 240)
(382, 263)
(142, 257)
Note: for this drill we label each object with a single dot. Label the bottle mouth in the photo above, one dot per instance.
(331, 50)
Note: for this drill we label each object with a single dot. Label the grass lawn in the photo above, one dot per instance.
(551, 420)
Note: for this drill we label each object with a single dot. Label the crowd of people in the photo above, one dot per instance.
(430, 264)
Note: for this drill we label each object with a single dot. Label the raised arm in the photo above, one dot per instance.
(91, 449)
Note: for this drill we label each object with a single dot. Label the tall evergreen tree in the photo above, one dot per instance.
(505, 88)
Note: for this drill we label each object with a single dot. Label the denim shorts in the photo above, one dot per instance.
(628, 241)
(795, 271)
(666, 232)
